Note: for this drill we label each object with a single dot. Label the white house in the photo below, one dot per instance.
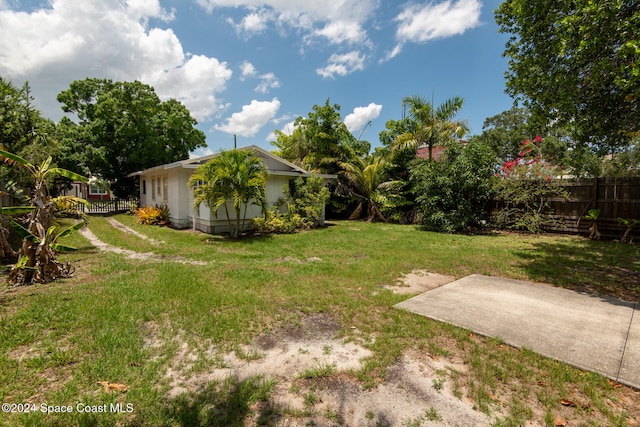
(167, 184)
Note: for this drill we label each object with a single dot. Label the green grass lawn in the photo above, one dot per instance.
(58, 340)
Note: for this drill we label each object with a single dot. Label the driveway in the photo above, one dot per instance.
(592, 333)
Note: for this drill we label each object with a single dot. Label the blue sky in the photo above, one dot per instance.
(249, 67)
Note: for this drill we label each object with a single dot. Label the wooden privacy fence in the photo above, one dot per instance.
(615, 197)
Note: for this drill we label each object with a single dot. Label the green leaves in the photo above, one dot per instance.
(124, 127)
(238, 176)
(429, 125)
(576, 63)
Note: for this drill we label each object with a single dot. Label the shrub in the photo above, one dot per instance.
(305, 200)
(153, 215)
(276, 223)
(524, 188)
(452, 192)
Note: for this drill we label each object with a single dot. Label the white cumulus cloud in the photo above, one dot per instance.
(342, 64)
(361, 116)
(419, 23)
(251, 119)
(67, 40)
(247, 69)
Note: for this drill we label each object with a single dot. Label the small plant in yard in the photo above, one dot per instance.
(438, 383)
(593, 215)
(524, 188)
(320, 371)
(629, 223)
(275, 223)
(153, 215)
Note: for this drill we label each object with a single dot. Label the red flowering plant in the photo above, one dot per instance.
(527, 184)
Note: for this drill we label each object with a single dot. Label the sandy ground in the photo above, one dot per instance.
(414, 391)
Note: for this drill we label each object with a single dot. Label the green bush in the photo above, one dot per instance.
(275, 223)
(524, 188)
(305, 202)
(453, 191)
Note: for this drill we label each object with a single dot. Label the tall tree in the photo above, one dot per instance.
(235, 175)
(23, 131)
(123, 127)
(576, 63)
(320, 141)
(431, 126)
(505, 132)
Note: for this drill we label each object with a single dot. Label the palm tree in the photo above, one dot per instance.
(364, 179)
(431, 126)
(236, 175)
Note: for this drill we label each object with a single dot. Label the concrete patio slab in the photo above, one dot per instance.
(592, 333)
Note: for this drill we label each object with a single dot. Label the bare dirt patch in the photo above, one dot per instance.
(313, 371)
(419, 281)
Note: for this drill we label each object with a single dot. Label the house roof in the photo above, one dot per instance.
(283, 167)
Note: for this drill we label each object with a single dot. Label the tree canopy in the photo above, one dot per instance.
(23, 131)
(117, 128)
(431, 126)
(576, 64)
(320, 141)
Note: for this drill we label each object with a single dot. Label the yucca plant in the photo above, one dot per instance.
(37, 254)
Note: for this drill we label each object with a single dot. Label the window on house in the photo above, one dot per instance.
(165, 187)
(94, 190)
(159, 188)
(153, 189)
(144, 187)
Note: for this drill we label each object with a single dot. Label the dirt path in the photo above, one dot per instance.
(120, 226)
(105, 247)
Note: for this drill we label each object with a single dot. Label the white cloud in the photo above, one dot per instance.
(287, 129)
(357, 120)
(255, 22)
(268, 81)
(343, 32)
(393, 53)
(247, 70)
(194, 84)
(68, 40)
(420, 23)
(338, 21)
(342, 65)
(251, 119)
(142, 9)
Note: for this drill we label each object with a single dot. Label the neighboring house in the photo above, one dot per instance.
(90, 191)
(167, 184)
